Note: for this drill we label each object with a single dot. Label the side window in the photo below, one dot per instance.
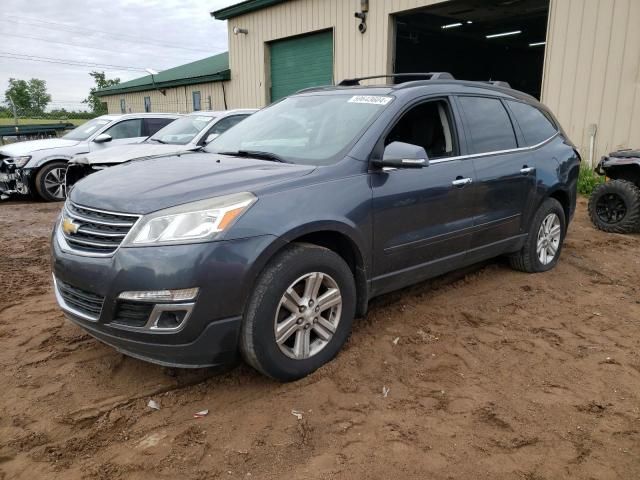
(429, 126)
(225, 124)
(197, 104)
(535, 125)
(123, 106)
(147, 104)
(126, 129)
(152, 125)
(488, 124)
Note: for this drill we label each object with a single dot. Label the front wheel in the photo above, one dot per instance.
(542, 248)
(614, 207)
(50, 181)
(300, 313)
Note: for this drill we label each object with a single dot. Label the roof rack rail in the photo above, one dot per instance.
(498, 83)
(351, 82)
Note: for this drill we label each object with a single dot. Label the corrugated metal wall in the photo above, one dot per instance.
(177, 99)
(592, 71)
(354, 54)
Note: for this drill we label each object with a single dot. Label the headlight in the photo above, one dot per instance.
(19, 162)
(190, 223)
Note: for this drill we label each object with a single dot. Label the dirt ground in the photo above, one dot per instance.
(489, 374)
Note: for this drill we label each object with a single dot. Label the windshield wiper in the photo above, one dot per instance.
(255, 154)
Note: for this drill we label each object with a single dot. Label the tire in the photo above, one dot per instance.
(529, 258)
(46, 178)
(614, 207)
(266, 309)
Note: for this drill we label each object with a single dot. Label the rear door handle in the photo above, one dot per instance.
(461, 182)
(527, 170)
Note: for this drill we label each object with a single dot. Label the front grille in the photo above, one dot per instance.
(84, 302)
(132, 314)
(98, 232)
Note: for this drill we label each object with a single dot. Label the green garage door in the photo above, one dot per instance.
(301, 62)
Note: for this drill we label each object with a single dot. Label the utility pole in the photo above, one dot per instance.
(15, 113)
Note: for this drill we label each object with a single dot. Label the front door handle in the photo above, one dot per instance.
(461, 182)
(527, 170)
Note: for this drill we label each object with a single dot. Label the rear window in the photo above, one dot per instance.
(488, 124)
(535, 125)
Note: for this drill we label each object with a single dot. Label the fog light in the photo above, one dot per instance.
(170, 320)
(160, 295)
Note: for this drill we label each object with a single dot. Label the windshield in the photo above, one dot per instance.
(87, 129)
(183, 130)
(309, 130)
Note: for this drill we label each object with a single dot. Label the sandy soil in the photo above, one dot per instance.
(490, 374)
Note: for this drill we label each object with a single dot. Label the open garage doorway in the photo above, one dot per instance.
(476, 40)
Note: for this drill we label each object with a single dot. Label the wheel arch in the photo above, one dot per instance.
(563, 196)
(335, 236)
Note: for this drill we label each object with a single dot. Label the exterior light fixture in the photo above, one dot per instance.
(238, 31)
(153, 72)
(451, 25)
(537, 44)
(505, 34)
(362, 15)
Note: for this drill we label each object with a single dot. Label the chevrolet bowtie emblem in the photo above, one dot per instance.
(69, 227)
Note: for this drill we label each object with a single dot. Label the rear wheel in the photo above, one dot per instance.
(50, 181)
(614, 207)
(300, 313)
(542, 248)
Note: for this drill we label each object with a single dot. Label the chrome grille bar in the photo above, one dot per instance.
(97, 233)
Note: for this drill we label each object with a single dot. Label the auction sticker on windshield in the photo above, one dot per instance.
(371, 99)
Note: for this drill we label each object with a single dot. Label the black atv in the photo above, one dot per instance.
(614, 206)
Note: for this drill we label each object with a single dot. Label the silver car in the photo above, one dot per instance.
(187, 133)
(39, 166)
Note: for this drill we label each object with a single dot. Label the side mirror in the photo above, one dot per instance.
(211, 138)
(403, 155)
(102, 138)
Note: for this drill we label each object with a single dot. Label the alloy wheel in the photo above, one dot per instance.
(54, 183)
(549, 236)
(611, 208)
(308, 315)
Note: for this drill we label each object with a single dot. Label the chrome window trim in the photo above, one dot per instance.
(498, 152)
(62, 242)
(70, 310)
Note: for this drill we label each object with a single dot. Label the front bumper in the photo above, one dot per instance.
(224, 272)
(15, 180)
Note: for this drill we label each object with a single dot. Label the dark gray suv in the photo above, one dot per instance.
(270, 241)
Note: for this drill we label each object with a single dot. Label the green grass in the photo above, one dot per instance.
(588, 180)
(24, 121)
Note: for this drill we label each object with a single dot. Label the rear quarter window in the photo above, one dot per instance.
(535, 125)
(488, 124)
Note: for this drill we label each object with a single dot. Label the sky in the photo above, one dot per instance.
(126, 36)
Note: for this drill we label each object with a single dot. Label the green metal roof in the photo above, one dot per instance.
(243, 7)
(210, 69)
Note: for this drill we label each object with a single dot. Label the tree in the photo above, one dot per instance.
(38, 96)
(18, 94)
(30, 98)
(98, 106)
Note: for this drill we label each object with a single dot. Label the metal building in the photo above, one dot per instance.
(581, 57)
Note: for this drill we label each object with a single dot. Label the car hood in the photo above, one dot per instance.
(125, 153)
(149, 185)
(25, 148)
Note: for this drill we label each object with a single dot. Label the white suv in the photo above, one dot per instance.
(39, 166)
